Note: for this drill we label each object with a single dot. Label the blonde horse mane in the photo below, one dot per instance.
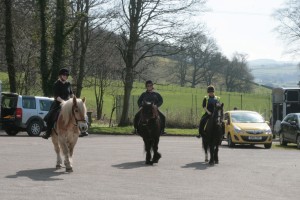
(67, 106)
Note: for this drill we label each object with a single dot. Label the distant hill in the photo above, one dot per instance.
(275, 73)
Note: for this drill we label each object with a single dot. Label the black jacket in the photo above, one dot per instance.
(62, 90)
(154, 97)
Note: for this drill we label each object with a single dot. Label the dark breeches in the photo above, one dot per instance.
(52, 115)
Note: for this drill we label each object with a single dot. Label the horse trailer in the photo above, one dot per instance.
(284, 101)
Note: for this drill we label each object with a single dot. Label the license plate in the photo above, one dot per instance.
(255, 138)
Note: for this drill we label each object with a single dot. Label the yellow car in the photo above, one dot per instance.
(246, 127)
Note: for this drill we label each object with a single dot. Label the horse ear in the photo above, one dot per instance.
(83, 99)
(74, 100)
(222, 105)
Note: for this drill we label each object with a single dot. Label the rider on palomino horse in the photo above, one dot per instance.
(208, 105)
(62, 91)
(151, 96)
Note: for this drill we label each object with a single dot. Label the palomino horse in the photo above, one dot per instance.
(71, 121)
(149, 130)
(213, 134)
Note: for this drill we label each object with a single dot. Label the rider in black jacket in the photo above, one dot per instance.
(62, 91)
(152, 96)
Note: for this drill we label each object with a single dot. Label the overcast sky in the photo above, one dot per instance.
(246, 26)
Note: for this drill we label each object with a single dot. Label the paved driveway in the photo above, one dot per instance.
(112, 167)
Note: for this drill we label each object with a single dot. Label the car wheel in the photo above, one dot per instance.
(230, 143)
(298, 142)
(11, 132)
(34, 128)
(281, 140)
(268, 146)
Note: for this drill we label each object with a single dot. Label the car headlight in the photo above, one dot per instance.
(268, 131)
(237, 129)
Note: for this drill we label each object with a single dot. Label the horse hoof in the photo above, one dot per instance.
(206, 160)
(156, 158)
(211, 163)
(149, 163)
(58, 166)
(69, 169)
(216, 162)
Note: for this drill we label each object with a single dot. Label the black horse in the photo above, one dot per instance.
(213, 134)
(149, 130)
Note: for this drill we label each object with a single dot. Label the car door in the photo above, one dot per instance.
(29, 108)
(293, 129)
(285, 126)
(290, 127)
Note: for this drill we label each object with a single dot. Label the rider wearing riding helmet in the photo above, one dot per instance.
(208, 105)
(152, 96)
(62, 91)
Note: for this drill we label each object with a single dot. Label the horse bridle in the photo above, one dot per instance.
(219, 116)
(77, 120)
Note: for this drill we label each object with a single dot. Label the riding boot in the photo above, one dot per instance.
(47, 134)
(50, 125)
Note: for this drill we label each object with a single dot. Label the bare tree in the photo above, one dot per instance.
(214, 67)
(289, 27)
(140, 20)
(200, 50)
(237, 75)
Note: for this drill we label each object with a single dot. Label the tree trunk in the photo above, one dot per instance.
(44, 47)
(59, 40)
(124, 121)
(9, 50)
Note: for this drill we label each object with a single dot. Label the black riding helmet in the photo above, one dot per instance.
(210, 88)
(64, 71)
(148, 82)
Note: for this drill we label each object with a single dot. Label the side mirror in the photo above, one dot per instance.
(293, 123)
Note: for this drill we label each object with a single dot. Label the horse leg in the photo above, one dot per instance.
(205, 147)
(211, 150)
(66, 152)
(148, 152)
(216, 156)
(57, 150)
(156, 155)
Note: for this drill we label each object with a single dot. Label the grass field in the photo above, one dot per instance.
(182, 105)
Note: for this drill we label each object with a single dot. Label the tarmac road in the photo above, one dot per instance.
(112, 168)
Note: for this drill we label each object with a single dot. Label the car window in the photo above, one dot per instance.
(288, 118)
(9, 101)
(45, 105)
(28, 103)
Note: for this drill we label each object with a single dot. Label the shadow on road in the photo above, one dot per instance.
(131, 165)
(197, 165)
(47, 174)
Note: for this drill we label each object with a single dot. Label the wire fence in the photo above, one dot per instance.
(185, 110)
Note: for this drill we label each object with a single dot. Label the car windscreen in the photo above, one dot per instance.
(246, 117)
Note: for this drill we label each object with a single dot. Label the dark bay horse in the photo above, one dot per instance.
(149, 130)
(213, 134)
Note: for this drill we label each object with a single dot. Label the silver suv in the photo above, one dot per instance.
(23, 113)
